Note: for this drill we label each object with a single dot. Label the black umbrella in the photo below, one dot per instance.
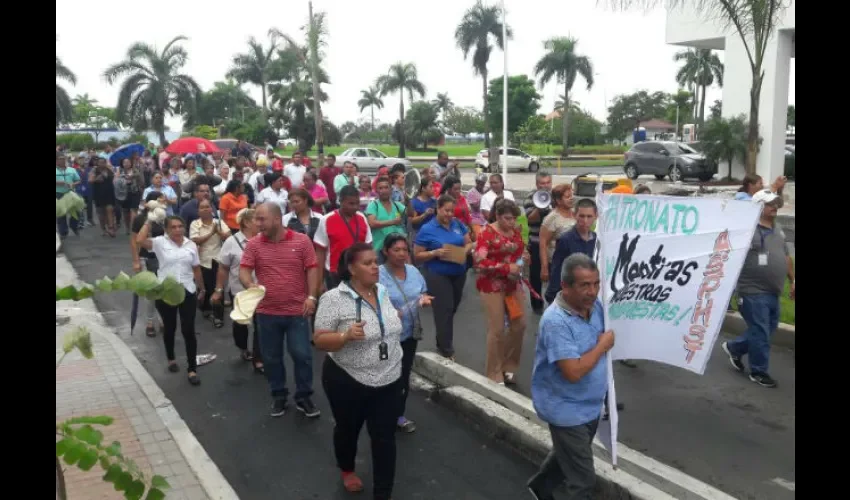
(134, 313)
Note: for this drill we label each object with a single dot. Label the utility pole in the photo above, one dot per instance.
(504, 155)
(313, 40)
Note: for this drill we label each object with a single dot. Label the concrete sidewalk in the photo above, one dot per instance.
(146, 424)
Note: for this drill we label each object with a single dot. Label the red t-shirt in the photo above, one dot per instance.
(501, 253)
(437, 188)
(335, 235)
(462, 212)
(327, 176)
(277, 165)
(281, 267)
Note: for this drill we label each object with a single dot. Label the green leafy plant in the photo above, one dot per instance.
(145, 284)
(71, 204)
(81, 443)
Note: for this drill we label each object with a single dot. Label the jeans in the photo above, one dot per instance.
(274, 331)
(186, 309)
(447, 292)
(354, 404)
(408, 348)
(62, 222)
(761, 313)
(534, 278)
(570, 460)
(152, 265)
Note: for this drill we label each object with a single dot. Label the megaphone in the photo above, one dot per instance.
(412, 180)
(542, 199)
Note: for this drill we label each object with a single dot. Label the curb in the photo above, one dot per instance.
(209, 476)
(734, 325)
(510, 417)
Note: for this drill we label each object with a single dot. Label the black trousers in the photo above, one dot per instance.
(209, 276)
(187, 328)
(240, 338)
(408, 347)
(570, 461)
(534, 279)
(447, 292)
(354, 404)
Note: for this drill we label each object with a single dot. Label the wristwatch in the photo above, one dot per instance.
(314, 299)
(219, 290)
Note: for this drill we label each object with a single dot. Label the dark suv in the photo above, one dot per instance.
(675, 160)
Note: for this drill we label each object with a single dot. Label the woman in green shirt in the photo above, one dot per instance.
(384, 215)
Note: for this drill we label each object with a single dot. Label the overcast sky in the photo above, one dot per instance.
(367, 36)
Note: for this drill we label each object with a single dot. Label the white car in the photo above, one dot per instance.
(368, 160)
(517, 160)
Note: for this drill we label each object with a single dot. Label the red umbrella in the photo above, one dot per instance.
(192, 145)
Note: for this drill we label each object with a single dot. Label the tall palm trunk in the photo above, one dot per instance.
(401, 135)
(372, 108)
(566, 119)
(702, 107)
(486, 111)
(263, 90)
(753, 133)
(314, 75)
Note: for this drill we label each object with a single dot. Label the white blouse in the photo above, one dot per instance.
(361, 358)
(177, 261)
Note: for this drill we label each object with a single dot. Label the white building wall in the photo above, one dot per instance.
(687, 27)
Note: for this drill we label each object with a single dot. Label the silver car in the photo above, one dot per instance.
(368, 160)
(675, 160)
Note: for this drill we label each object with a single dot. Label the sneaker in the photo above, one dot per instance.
(307, 407)
(278, 407)
(405, 425)
(735, 360)
(763, 379)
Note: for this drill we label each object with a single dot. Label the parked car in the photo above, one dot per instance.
(368, 159)
(584, 185)
(517, 160)
(675, 160)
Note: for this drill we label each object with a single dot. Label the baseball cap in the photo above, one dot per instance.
(621, 189)
(765, 196)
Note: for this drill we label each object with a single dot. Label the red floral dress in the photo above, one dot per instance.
(498, 252)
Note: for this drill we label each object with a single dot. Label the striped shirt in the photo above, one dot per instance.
(281, 267)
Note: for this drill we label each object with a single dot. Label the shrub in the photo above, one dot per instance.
(598, 149)
(136, 138)
(76, 141)
(790, 166)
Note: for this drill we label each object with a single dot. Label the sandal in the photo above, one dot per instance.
(510, 378)
(247, 355)
(194, 379)
(173, 368)
(351, 482)
(217, 323)
(260, 369)
(150, 331)
(406, 425)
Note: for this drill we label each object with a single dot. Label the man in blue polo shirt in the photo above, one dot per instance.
(570, 379)
(67, 180)
(579, 239)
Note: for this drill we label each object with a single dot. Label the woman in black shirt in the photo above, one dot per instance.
(302, 218)
(101, 180)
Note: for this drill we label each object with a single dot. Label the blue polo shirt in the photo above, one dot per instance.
(569, 243)
(421, 207)
(565, 335)
(432, 236)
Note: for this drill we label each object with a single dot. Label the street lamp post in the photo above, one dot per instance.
(504, 156)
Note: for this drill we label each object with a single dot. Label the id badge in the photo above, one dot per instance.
(763, 259)
(383, 351)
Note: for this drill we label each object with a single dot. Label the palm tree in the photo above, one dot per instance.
(371, 98)
(479, 23)
(296, 98)
(64, 109)
(254, 66)
(442, 103)
(400, 78)
(755, 22)
(563, 63)
(726, 139)
(701, 68)
(153, 85)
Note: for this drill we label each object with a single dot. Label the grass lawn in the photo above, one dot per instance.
(787, 307)
(451, 149)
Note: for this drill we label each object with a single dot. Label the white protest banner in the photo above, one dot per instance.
(669, 266)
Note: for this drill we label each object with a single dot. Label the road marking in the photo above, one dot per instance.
(784, 483)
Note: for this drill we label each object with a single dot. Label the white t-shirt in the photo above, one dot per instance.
(295, 174)
(269, 194)
(230, 256)
(490, 197)
(177, 261)
(253, 179)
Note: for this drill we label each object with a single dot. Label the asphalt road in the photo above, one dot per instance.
(292, 457)
(719, 428)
